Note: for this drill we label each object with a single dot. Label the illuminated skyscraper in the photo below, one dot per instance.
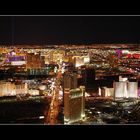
(78, 61)
(7, 89)
(10, 89)
(133, 89)
(126, 89)
(120, 89)
(21, 88)
(83, 104)
(74, 104)
(70, 80)
(106, 92)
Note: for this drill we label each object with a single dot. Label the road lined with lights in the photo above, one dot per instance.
(54, 106)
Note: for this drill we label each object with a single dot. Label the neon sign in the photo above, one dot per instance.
(17, 58)
(119, 53)
(136, 56)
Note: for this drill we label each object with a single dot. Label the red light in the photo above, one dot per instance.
(129, 56)
(136, 56)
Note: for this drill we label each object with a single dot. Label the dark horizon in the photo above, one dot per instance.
(56, 30)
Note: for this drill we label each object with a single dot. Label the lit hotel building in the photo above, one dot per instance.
(74, 104)
(126, 89)
(11, 89)
(80, 60)
(7, 89)
(106, 92)
(69, 80)
(74, 98)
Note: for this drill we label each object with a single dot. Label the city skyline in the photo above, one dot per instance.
(69, 70)
(70, 84)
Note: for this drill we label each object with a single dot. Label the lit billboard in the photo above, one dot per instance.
(18, 63)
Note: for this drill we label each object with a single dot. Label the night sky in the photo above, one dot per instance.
(69, 30)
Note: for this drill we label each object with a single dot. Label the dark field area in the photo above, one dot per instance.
(25, 111)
